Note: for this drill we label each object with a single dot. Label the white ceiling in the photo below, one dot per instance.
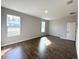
(56, 8)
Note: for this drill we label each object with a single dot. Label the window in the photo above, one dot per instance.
(13, 25)
(43, 26)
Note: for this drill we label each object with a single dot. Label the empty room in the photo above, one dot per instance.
(39, 29)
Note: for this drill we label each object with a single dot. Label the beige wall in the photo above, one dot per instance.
(59, 27)
(30, 27)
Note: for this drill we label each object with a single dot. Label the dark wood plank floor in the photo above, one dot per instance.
(48, 47)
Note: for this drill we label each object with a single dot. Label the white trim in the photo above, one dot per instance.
(63, 38)
(19, 41)
(66, 39)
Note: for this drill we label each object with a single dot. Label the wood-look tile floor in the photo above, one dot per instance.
(48, 47)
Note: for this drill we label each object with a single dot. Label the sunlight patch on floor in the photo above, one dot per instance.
(46, 40)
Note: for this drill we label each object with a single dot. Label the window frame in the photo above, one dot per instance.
(43, 30)
(19, 25)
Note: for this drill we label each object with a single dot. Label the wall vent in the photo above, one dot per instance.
(72, 13)
(70, 2)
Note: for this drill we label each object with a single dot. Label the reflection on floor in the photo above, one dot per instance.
(42, 45)
(48, 47)
(4, 51)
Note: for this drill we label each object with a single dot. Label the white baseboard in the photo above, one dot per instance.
(19, 41)
(66, 38)
(62, 37)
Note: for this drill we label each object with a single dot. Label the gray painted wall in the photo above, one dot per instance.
(30, 27)
(59, 27)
